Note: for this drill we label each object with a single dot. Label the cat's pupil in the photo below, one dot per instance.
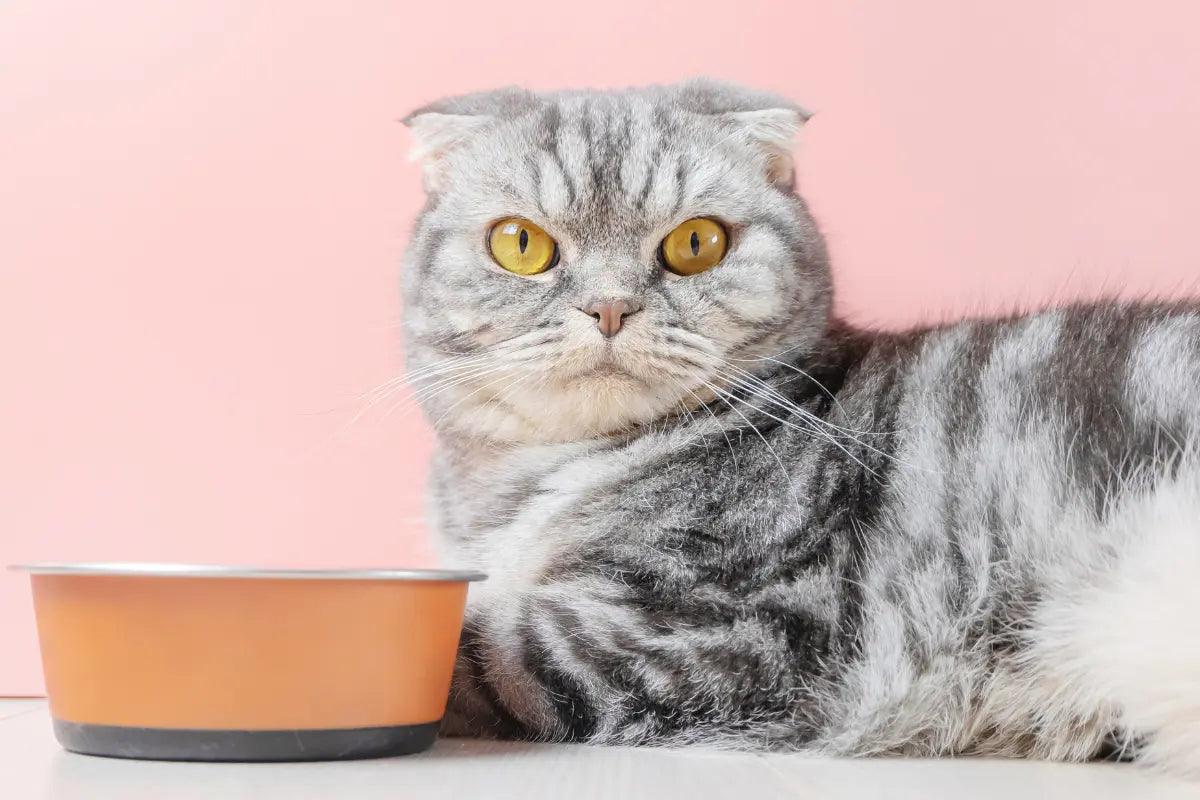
(695, 243)
(523, 240)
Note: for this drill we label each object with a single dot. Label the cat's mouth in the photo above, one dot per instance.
(607, 367)
(604, 364)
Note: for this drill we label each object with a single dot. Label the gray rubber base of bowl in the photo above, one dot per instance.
(172, 744)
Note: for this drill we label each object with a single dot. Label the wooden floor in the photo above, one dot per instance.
(32, 767)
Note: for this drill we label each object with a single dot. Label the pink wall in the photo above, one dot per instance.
(203, 202)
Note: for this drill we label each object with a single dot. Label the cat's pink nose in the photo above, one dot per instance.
(610, 314)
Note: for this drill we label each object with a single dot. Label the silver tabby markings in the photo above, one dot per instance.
(737, 519)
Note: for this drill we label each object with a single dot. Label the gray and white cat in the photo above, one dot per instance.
(714, 513)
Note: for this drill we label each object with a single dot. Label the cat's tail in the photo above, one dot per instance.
(1131, 641)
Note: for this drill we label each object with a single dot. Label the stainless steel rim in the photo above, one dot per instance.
(215, 571)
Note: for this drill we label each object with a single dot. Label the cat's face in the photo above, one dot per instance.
(572, 319)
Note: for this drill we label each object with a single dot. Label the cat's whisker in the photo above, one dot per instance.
(447, 369)
(383, 388)
(781, 401)
(761, 388)
(811, 431)
(453, 378)
(502, 398)
(514, 345)
(814, 430)
(786, 475)
(694, 340)
(377, 395)
(752, 383)
(386, 390)
(428, 392)
(782, 352)
(507, 377)
(505, 348)
(693, 422)
(800, 372)
(444, 366)
(721, 427)
(660, 367)
(450, 358)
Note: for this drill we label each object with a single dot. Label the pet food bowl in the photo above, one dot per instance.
(202, 663)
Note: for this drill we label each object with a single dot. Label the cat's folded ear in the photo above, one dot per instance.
(768, 121)
(442, 126)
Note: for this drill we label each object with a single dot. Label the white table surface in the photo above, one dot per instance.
(32, 767)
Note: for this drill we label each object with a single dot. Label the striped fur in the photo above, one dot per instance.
(744, 522)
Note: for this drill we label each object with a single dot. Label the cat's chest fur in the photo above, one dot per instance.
(695, 504)
(514, 512)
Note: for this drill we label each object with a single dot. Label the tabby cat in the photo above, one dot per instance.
(715, 513)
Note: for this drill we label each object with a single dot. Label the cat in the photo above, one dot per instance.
(714, 513)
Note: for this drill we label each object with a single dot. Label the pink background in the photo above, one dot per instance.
(203, 204)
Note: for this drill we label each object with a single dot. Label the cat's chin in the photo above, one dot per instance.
(607, 374)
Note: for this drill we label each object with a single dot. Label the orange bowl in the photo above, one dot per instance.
(202, 663)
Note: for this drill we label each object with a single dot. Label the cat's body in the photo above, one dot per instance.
(983, 537)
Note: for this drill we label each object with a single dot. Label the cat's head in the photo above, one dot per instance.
(589, 262)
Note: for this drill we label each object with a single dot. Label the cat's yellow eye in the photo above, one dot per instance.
(695, 246)
(522, 247)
